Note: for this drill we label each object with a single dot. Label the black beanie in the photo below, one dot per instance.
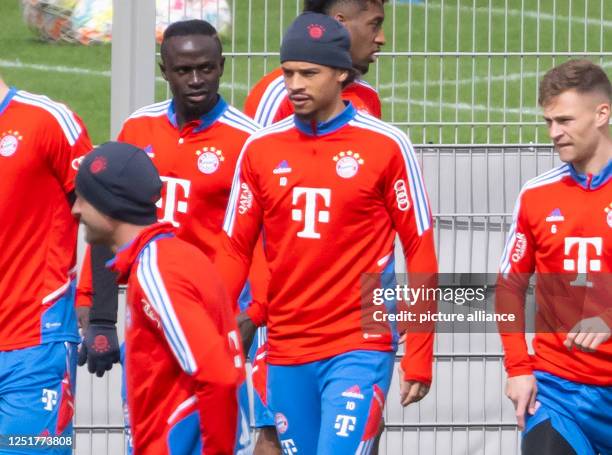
(121, 181)
(317, 38)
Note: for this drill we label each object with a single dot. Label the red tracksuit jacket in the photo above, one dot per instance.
(562, 231)
(330, 202)
(183, 356)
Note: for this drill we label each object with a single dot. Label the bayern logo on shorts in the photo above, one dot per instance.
(609, 218)
(9, 143)
(281, 423)
(347, 164)
(209, 160)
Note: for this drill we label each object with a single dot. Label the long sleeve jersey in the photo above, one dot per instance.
(183, 355)
(330, 199)
(41, 143)
(562, 231)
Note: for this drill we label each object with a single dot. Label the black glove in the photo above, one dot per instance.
(100, 348)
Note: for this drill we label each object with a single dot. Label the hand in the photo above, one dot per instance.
(522, 390)
(83, 317)
(100, 348)
(247, 331)
(411, 391)
(588, 334)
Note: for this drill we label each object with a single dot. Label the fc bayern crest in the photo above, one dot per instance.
(281, 423)
(9, 141)
(347, 164)
(209, 160)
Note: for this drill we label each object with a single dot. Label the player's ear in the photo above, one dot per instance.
(344, 76)
(222, 66)
(340, 18)
(602, 115)
(162, 69)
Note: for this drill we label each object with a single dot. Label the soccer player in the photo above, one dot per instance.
(41, 143)
(562, 231)
(183, 357)
(330, 187)
(194, 140)
(268, 102)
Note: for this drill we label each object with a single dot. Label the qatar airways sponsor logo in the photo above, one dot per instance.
(312, 213)
(584, 252)
(175, 201)
(520, 247)
(245, 200)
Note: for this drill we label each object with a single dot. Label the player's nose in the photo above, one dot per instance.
(76, 209)
(195, 78)
(555, 131)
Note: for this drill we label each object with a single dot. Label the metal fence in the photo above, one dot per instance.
(452, 71)
(460, 76)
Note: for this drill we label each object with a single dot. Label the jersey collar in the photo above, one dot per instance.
(590, 181)
(330, 126)
(203, 122)
(7, 99)
(127, 255)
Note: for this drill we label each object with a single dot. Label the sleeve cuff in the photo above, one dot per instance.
(520, 371)
(257, 314)
(414, 372)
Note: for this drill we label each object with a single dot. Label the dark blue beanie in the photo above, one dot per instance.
(317, 38)
(121, 181)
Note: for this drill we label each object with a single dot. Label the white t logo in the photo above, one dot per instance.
(344, 424)
(582, 265)
(288, 446)
(49, 397)
(172, 202)
(309, 214)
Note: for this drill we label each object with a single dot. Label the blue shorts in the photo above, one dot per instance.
(261, 414)
(581, 413)
(37, 398)
(331, 406)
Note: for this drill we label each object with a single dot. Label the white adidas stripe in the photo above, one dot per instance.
(547, 178)
(413, 169)
(152, 283)
(270, 102)
(152, 110)
(64, 116)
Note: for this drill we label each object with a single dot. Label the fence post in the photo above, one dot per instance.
(133, 59)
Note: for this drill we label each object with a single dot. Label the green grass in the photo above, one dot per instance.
(437, 98)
